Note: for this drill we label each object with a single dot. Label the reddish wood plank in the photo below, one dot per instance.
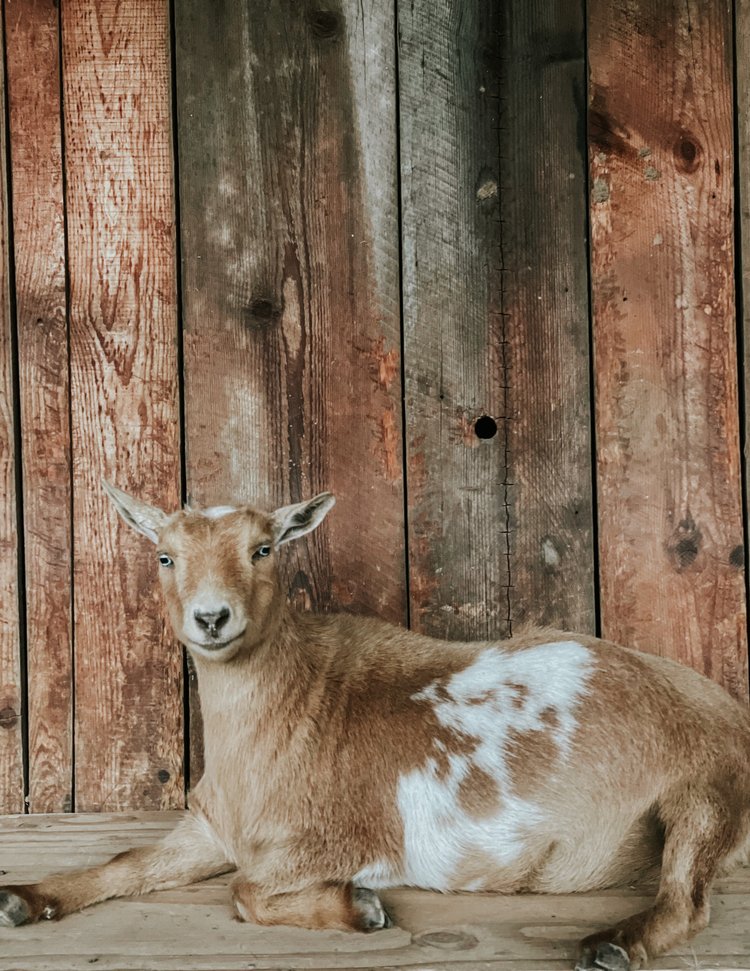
(670, 519)
(291, 283)
(11, 754)
(124, 392)
(39, 249)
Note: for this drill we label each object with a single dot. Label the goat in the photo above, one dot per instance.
(344, 755)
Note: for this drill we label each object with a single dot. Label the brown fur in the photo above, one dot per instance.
(311, 721)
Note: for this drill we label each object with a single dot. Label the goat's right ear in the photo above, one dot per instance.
(142, 517)
(290, 522)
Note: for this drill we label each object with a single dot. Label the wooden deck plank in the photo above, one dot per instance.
(11, 741)
(291, 281)
(661, 164)
(124, 395)
(33, 55)
(191, 928)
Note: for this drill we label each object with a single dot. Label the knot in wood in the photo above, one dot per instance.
(324, 23)
(688, 154)
(8, 718)
(684, 545)
(447, 940)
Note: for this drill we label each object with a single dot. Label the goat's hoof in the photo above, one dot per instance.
(605, 957)
(372, 914)
(14, 910)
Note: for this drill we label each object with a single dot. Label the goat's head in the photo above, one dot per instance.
(218, 566)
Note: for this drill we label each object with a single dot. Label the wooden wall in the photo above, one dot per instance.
(473, 267)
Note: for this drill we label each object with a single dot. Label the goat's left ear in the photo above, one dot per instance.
(139, 515)
(291, 522)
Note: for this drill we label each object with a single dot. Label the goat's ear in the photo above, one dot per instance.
(291, 522)
(142, 517)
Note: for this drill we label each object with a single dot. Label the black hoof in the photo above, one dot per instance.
(607, 957)
(373, 914)
(14, 910)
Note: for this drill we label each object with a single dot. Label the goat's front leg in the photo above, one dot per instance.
(319, 906)
(189, 853)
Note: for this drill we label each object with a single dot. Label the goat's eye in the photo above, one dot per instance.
(165, 560)
(261, 551)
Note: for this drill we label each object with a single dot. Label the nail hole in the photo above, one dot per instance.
(485, 427)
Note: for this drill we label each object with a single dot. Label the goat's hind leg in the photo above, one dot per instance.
(189, 853)
(319, 906)
(702, 826)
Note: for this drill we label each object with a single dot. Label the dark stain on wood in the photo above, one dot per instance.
(684, 544)
(737, 556)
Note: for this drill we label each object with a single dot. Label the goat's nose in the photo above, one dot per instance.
(212, 621)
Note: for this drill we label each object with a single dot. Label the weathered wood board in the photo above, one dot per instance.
(192, 928)
(495, 316)
(33, 70)
(290, 276)
(11, 741)
(124, 395)
(543, 171)
(668, 457)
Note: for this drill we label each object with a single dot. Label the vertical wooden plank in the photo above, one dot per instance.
(124, 392)
(11, 743)
(670, 518)
(456, 364)
(742, 109)
(543, 171)
(496, 316)
(286, 130)
(39, 247)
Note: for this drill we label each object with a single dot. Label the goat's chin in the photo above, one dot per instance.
(218, 653)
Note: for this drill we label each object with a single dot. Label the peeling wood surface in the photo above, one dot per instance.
(291, 281)
(33, 71)
(546, 305)
(191, 928)
(124, 396)
(455, 352)
(661, 158)
(11, 742)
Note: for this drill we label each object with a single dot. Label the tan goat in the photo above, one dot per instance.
(344, 753)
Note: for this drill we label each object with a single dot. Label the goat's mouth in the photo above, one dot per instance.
(215, 645)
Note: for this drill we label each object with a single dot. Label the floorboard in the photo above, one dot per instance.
(192, 929)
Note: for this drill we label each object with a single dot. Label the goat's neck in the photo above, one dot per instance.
(269, 682)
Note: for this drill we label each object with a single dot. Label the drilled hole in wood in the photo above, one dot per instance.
(485, 427)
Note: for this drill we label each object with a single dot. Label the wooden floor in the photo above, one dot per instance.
(192, 929)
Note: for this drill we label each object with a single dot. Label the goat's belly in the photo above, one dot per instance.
(522, 848)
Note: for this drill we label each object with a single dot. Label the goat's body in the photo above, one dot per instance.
(344, 754)
(406, 760)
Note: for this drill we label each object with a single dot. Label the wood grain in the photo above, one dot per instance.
(742, 115)
(456, 364)
(33, 71)
(661, 169)
(291, 279)
(11, 742)
(191, 928)
(124, 395)
(543, 205)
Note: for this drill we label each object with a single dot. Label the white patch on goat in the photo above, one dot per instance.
(483, 702)
(216, 512)
(377, 874)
